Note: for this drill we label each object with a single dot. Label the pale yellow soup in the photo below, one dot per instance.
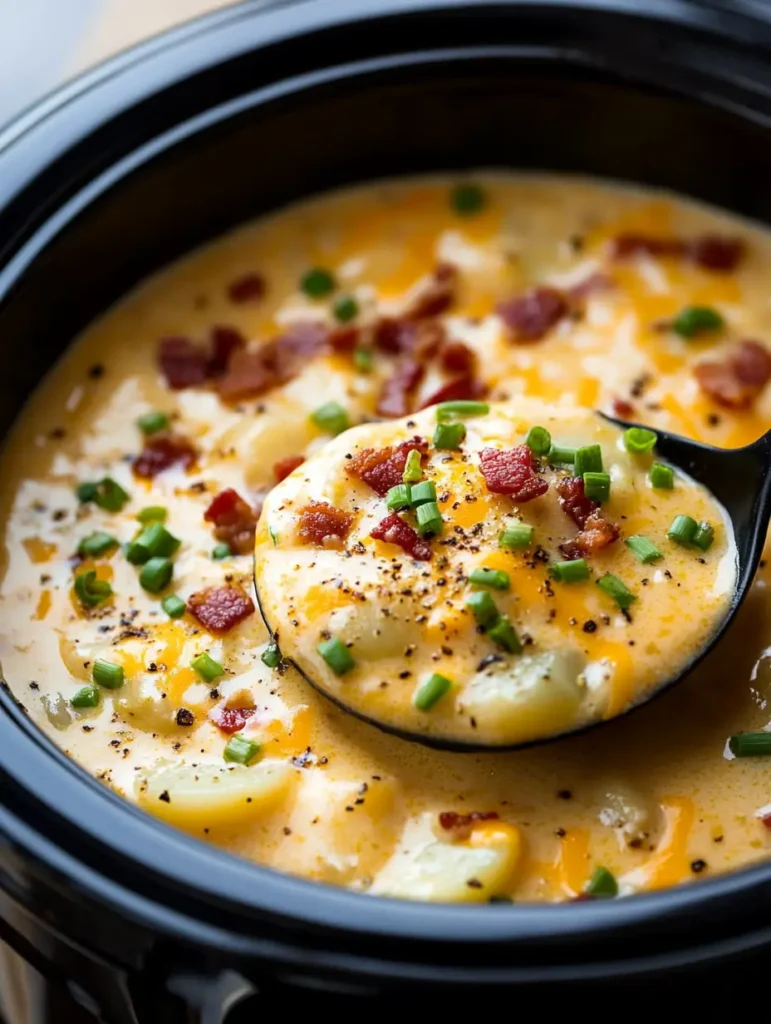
(655, 797)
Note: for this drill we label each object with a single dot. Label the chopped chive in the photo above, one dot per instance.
(220, 551)
(503, 633)
(154, 541)
(639, 440)
(336, 655)
(413, 470)
(240, 750)
(429, 518)
(96, 544)
(696, 320)
(559, 454)
(430, 691)
(643, 548)
(91, 591)
(107, 673)
(661, 476)
(85, 492)
(332, 418)
(617, 589)
(86, 697)
(467, 199)
(422, 492)
(152, 514)
(538, 440)
(346, 309)
(206, 667)
(683, 530)
(449, 436)
(597, 486)
(704, 536)
(317, 283)
(153, 422)
(106, 493)
(588, 459)
(483, 608)
(398, 497)
(462, 409)
(271, 656)
(518, 535)
(569, 572)
(496, 579)
(156, 574)
(750, 744)
(363, 359)
(602, 884)
(174, 606)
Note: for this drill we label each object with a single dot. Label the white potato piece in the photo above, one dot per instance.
(374, 635)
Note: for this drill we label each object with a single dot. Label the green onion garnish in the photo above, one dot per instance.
(462, 409)
(107, 673)
(346, 309)
(317, 283)
(336, 655)
(152, 514)
(363, 359)
(483, 608)
(429, 518)
(90, 590)
(559, 454)
(597, 486)
(156, 574)
(642, 547)
(96, 544)
(86, 697)
(639, 440)
(496, 579)
(602, 884)
(422, 492)
(174, 606)
(750, 744)
(467, 199)
(332, 418)
(398, 497)
(518, 535)
(153, 422)
(617, 589)
(430, 691)
(206, 667)
(661, 476)
(413, 470)
(271, 656)
(240, 750)
(538, 440)
(570, 572)
(503, 633)
(588, 459)
(683, 530)
(273, 535)
(154, 541)
(220, 551)
(106, 493)
(449, 436)
(704, 536)
(85, 492)
(696, 320)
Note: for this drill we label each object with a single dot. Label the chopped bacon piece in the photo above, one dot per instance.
(597, 533)
(573, 501)
(248, 288)
(530, 316)
(231, 720)
(438, 294)
(319, 521)
(622, 408)
(182, 362)
(344, 339)
(717, 253)
(234, 521)
(252, 372)
(224, 342)
(219, 609)
(737, 380)
(512, 472)
(395, 397)
(300, 342)
(394, 530)
(461, 825)
(162, 451)
(284, 467)
(456, 390)
(458, 358)
(421, 339)
(382, 468)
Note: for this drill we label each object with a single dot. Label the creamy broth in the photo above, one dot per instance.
(656, 797)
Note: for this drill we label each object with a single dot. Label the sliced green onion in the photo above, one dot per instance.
(153, 422)
(503, 633)
(363, 359)
(107, 673)
(86, 492)
(152, 514)
(106, 493)
(174, 606)
(156, 574)
(643, 548)
(538, 440)
(449, 436)
(220, 551)
(483, 608)
(332, 418)
(467, 199)
(704, 536)
(271, 656)
(317, 283)
(639, 440)
(86, 697)
(560, 455)
(346, 309)
(206, 667)
(683, 530)
(336, 655)
(430, 691)
(91, 591)
(570, 572)
(429, 518)
(422, 492)
(398, 497)
(96, 544)
(413, 470)
(661, 476)
(240, 750)
(602, 884)
(597, 486)
(273, 535)
(750, 744)
(154, 541)
(588, 459)
(696, 320)
(518, 535)
(463, 408)
(617, 589)
(496, 579)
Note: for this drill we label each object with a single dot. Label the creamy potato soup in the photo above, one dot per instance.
(210, 411)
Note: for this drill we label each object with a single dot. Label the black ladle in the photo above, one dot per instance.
(740, 479)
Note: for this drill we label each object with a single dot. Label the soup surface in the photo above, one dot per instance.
(135, 477)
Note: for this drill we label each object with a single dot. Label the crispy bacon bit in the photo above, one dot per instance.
(248, 288)
(284, 467)
(394, 530)
(219, 609)
(438, 294)
(458, 358)
(597, 533)
(421, 339)
(622, 408)
(162, 451)
(712, 252)
(182, 362)
(455, 390)
(461, 825)
(382, 468)
(319, 521)
(344, 339)
(529, 317)
(737, 381)
(252, 372)
(573, 501)
(234, 521)
(395, 397)
(224, 342)
(231, 720)
(513, 472)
